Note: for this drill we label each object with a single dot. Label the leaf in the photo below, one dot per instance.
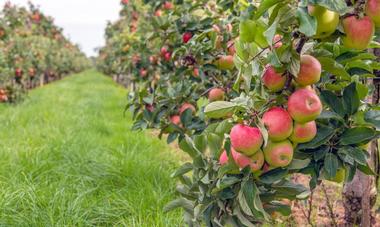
(226, 181)
(294, 66)
(373, 117)
(219, 109)
(339, 6)
(366, 169)
(333, 67)
(331, 165)
(351, 99)
(298, 164)
(329, 115)
(332, 101)
(270, 32)
(187, 205)
(357, 135)
(323, 135)
(355, 153)
(273, 175)
(264, 6)
(185, 168)
(215, 143)
(278, 207)
(188, 146)
(308, 24)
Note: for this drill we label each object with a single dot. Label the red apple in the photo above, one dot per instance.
(303, 133)
(168, 5)
(372, 9)
(359, 32)
(215, 94)
(276, 41)
(186, 106)
(278, 154)
(175, 119)
(195, 72)
(246, 139)
(273, 80)
(225, 62)
(304, 105)
(18, 72)
(255, 162)
(168, 56)
(310, 71)
(279, 123)
(158, 13)
(231, 47)
(186, 37)
(143, 72)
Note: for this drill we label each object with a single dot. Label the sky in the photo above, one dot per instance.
(83, 21)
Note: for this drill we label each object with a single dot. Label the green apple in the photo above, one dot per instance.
(327, 20)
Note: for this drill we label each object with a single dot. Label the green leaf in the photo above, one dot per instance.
(219, 109)
(323, 135)
(264, 6)
(215, 143)
(188, 146)
(271, 32)
(331, 165)
(298, 164)
(185, 168)
(332, 101)
(329, 115)
(333, 67)
(362, 90)
(366, 169)
(373, 117)
(339, 6)
(187, 205)
(278, 207)
(357, 135)
(273, 175)
(294, 66)
(308, 24)
(355, 153)
(351, 99)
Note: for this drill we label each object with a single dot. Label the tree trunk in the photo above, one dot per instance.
(359, 196)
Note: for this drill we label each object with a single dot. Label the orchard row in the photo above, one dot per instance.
(253, 91)
(33, 51)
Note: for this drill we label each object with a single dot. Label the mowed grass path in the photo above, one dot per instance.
(68, 158)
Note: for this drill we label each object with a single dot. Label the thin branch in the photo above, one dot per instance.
(329, 206)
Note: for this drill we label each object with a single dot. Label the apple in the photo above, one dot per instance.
(186, 106)
(149, 107)
(18, 72)
(304, 105)
(186, 37)
(143, 72)
(273, 80)
(168, 5)
(278, 154)
(310, 71)
(246, 139)
(223, 159)
(327, 20)
(168, 56)
(153, 59)
(303, 133)
(231, 47)
(255, 162)
(195, 72)
(215, 94)
(164, 50)
(31, 72)
(125, 2)
(276, 41)
(372, 9)
(175, 119)
(359, 32)
(216, 28)
(229, 27)
(279, 123)
(225, 62)
(158, 13)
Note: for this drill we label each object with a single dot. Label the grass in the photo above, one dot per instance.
(68, 158)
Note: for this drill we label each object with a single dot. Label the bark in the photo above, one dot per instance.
(359, 196)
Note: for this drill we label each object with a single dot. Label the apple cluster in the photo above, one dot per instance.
(286, 127)
(358, 30)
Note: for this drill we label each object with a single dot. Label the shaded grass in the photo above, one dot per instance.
(68, 158)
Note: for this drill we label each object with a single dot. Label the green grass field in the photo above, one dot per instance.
(68, 158)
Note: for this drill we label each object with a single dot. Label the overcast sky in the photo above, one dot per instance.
(83, 21)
